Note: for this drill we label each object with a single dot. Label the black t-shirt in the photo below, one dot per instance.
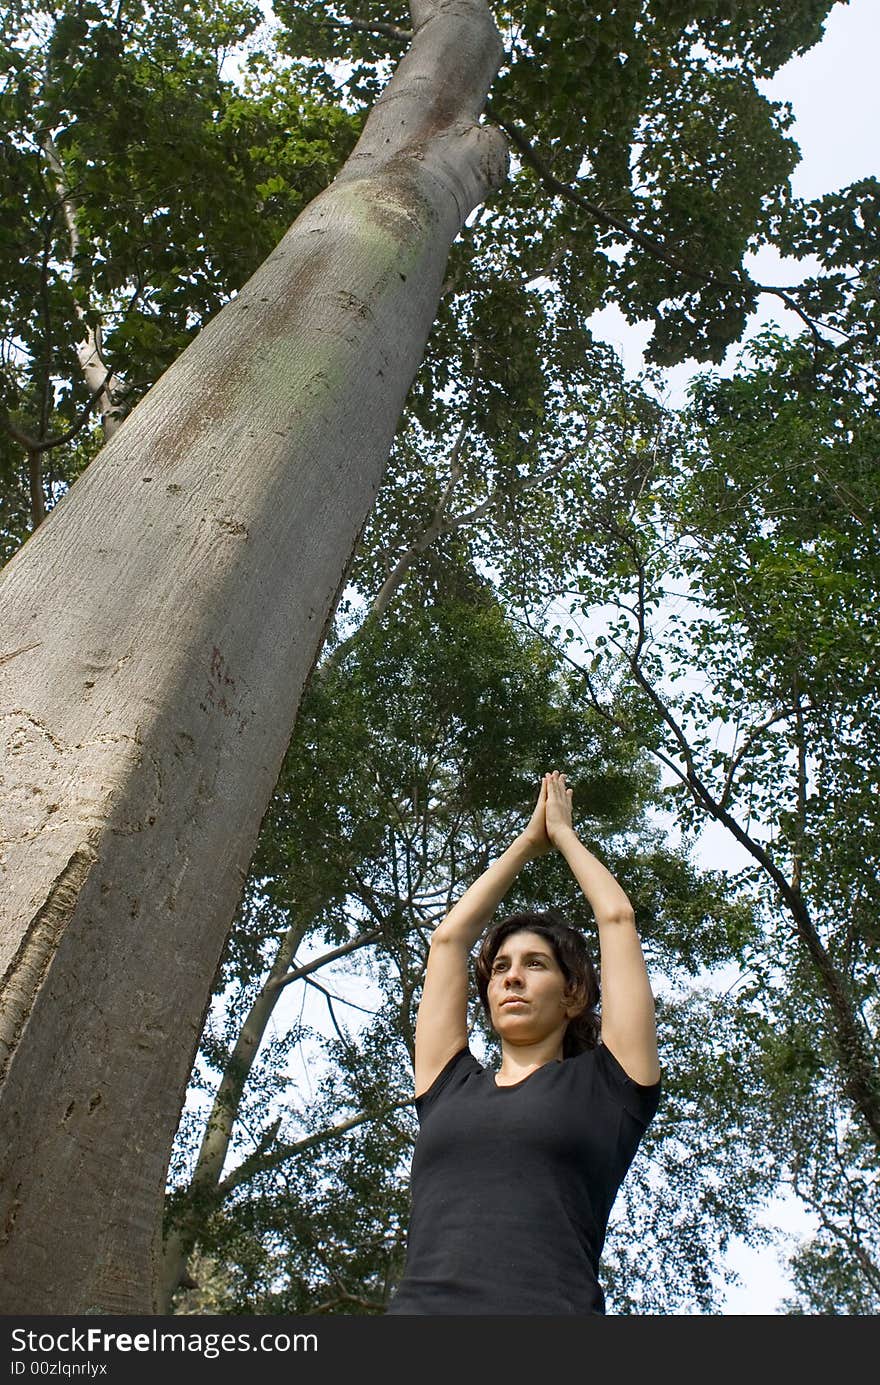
(512, 1186)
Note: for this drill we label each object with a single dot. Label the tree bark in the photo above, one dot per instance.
(35, 478)
(157, 632)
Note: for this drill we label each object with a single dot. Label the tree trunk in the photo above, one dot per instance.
(157, 632)
(102, 383)
(205, 1192)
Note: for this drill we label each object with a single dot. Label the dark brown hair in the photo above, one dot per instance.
(570, 950)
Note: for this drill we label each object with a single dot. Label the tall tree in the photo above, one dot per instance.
(151, 687)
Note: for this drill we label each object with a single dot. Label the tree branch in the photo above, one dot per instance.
(856, 1065)
(737, 758)
(35, 483)
(801, 747)
(262, 1164)
(377, 26)
(361, 26)
(40, 445)
(111, 389)
(362, 939)
(341, 1000)
(434, 530)
(654, 247)
(439, 528)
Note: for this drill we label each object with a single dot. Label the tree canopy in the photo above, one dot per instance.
(676, 606)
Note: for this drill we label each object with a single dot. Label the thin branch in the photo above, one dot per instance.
(262, 1164)
(343, 1038)
(90, 349)
(377, 26)
(362, 939)
(330, 1303)
(857, 1067)
(45, 444)
(842, 492)
(440, 528)
(435, 528)
(743, 285)
(362, 26)
(801, 744)
(504, 492)
(330, 997)
(737, 759)
(853, 1244)
(46, 383)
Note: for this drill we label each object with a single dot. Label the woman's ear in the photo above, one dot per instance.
(574, 998)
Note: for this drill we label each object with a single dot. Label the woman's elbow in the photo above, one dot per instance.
(445, 935)
(621, 916)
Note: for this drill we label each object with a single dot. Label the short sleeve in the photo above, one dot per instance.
(640, 1101)
(460, 1066)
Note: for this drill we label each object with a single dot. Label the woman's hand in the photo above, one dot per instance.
(535, 835)
(557, 808)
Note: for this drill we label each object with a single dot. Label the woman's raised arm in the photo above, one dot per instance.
(628, 1019)
(441, 1026)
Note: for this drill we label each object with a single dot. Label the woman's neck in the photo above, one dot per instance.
(518, 1060)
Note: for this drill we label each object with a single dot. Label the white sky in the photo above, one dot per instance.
(835, 95)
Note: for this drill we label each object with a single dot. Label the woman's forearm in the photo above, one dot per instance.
(469, 916)
(608, 901)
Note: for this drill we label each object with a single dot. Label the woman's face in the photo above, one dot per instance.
(527, 990)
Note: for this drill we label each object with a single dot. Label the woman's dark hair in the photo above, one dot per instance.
(570, 949)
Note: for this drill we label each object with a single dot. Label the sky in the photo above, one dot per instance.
(835, 95)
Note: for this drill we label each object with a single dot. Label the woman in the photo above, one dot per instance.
(515, 1172)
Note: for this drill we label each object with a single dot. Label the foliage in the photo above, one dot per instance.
(652, 112)
(179, 178)
(574, 576)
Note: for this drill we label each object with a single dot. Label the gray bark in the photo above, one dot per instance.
(157, 632)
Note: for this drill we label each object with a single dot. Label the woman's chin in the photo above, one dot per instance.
(519, 1028)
